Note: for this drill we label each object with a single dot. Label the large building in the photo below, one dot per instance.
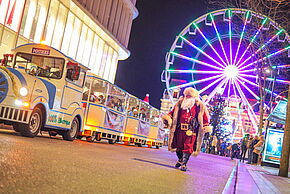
(93, 32)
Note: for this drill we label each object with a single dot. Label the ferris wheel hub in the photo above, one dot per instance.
(231, 71)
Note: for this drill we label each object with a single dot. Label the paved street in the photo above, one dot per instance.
(51, 165)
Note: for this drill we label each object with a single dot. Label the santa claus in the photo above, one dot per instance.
(188, 122)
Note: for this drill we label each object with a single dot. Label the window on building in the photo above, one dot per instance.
(67, 33)
(59, 27)
(51, 21)
(73, 46)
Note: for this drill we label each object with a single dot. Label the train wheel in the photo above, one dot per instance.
(90, 138)
(71, 134)
(33, 127)
(111, 141)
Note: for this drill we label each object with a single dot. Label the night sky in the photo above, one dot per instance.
(152, 34)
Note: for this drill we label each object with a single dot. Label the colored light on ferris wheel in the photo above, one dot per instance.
(231, 71)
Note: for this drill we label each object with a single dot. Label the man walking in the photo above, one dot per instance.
(188, 122)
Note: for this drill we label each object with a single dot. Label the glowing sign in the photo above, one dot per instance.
(279, 113)
(273, 146)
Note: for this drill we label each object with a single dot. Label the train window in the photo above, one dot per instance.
(133, 107)
(154, 117)
(41, 66)
(86, 89)
(98, 91)
(144, 113)
(116, 98)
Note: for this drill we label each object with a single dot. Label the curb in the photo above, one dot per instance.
(231, 184)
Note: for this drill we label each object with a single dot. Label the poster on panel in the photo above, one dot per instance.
(273, 146)
(114, 121)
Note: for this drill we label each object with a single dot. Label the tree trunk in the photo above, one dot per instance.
(284, 162)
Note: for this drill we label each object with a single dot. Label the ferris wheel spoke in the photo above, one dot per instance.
(211, 84)
(193, 71)
(250, 91)
(248, 70)
(219, 38)
(261, 47)
(209, 43)
(251, 112)
(220, 85)
(201, 51)
(267, 57)
(229, 90)
(230, 37)
(241, 36)
(249, 76)
(195, 60)
(196, 82)
(252, 40)
(248, 81)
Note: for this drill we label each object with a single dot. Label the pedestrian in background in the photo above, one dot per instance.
(250, 148)
(258, 147)
(223, 148)
(235, 151)
(244, 142)
(214, 144)
(188, 122)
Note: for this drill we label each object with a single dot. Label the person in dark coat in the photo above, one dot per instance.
(244, 142)
(235, 151)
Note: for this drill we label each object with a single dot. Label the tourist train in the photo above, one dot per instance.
(41, 89)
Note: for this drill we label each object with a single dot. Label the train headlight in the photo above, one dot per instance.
(23, 91)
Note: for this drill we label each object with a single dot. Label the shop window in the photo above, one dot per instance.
(8, 41)
(59, 27)
(88, 47)
(94, 53)
(73, 46)
(103, 62)
(113, 67)
(108, 65)
(133, 107)
(82, 43)
(3, 7)
(14, 13)
(67, 33)
(98, 91)
(116, 98)
(99, 55)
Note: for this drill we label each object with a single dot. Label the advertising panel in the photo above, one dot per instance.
(273, 146)
(279, 113)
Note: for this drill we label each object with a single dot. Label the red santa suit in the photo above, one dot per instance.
(178, 140)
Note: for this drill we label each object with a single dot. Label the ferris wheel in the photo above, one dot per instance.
(223, 52)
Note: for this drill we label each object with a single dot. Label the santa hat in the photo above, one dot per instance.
(191, 91)
(146, 99)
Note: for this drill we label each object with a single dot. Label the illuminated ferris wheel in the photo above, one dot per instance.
(222, 51)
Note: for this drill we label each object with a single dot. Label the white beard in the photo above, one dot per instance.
(187, 103)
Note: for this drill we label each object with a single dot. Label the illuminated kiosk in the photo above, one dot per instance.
(222, 51)
(94, 33)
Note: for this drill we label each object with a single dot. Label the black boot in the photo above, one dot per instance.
(180, 159)
(184, 161)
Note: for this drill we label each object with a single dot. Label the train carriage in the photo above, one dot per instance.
(41, 89)
(104, 107)
(113, 114)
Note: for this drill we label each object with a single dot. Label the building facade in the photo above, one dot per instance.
(93, 32)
